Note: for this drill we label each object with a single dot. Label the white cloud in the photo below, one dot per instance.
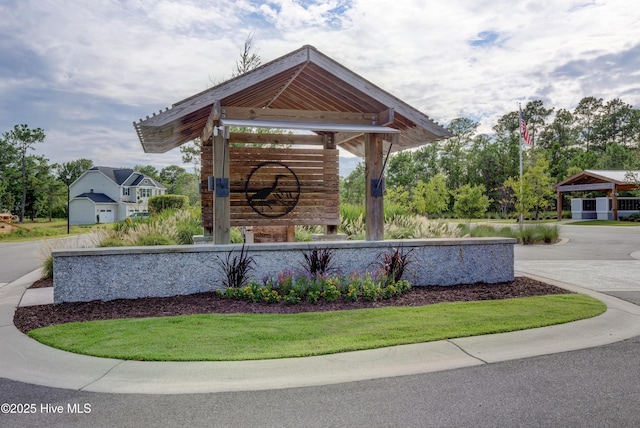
(82, 68)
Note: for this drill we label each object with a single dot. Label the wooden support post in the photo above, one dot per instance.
(330, 143)
(614, 202)
(291, 233)
(374, 204)
(221, 205)
(559, 205)
(206, 195)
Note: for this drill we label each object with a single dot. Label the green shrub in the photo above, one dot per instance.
(351, 212)
(507, 232)
(526, 235)
(483, 231)
(371, 290)
(155, 239)
(112, 242)
(159, 203)
(189, 224)
(47, 267)
(235, 235)
(46, 247)
(331, 290)
(546, 233)
(303, 233)
(291, 298)
(401, 227)
(174, 226)
(354, 228)
(396, 209)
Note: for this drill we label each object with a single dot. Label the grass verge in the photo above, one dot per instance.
(216, 337)
(44, 229)
(603, 223)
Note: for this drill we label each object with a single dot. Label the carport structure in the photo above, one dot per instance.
(303, 90)
(610, 181)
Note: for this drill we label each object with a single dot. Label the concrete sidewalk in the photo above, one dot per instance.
(26, 360)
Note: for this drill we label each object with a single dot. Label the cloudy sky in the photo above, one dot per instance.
(84, 71)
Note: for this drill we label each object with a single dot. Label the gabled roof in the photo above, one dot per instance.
(304, 79)
(592, 179)
(117, 175)
(96, 197)
(121, 175)
(138, 178)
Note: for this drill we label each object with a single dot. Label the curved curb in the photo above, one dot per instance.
(26, 360)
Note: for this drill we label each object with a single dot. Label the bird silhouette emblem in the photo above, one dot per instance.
(272, 189)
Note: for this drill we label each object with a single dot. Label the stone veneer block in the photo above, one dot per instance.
(83, 275)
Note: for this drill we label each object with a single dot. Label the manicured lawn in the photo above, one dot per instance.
(43, 229)
(218, 337)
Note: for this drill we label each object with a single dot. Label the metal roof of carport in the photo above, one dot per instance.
(610, 181)
(594, 180)
(304, 79)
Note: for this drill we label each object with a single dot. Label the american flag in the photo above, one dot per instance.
(523, 128)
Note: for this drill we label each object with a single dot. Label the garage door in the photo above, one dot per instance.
(106, 216)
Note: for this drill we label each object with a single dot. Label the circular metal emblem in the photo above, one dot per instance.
(272, 189)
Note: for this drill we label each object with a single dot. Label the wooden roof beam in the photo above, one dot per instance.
(289, 139)
(286, 115)
(214, 116)
(286, 85)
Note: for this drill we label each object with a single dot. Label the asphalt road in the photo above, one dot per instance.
(589, 388)
(595, 387)
(18, 259)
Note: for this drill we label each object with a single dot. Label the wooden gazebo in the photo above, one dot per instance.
(610, 181)
(303, 90)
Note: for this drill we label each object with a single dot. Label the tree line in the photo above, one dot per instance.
(428, 181)
(32, 187)
(596, 134)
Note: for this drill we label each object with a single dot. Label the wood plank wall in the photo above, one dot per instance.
(317, 174)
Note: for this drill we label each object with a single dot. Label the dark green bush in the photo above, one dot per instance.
(159, 203)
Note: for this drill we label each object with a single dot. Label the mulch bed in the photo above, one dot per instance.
(32, 317)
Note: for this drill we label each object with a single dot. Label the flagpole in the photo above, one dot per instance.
(521, 218)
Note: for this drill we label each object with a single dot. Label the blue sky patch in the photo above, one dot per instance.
(485, 38)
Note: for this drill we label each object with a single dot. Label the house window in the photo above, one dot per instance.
(145, 193)
(125, 191)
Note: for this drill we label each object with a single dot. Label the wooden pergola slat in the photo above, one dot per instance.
(304, 90)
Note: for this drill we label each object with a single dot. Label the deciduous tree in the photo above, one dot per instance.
(432, 197)
(470, 201)
(22, 139)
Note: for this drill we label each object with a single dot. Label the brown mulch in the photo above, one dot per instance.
(42, 283)
(32, 317)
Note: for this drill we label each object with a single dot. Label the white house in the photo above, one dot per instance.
(105, 195)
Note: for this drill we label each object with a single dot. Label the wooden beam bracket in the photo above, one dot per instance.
(386, 117)
(214, 116)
